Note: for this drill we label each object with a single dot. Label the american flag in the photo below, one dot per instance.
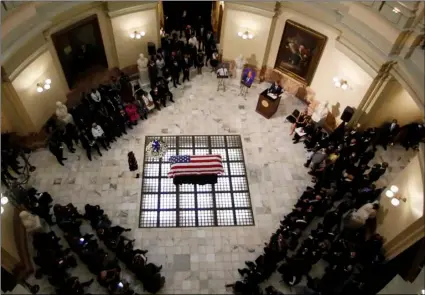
(195, 165)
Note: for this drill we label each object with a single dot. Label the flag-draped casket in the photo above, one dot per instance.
(199, 169)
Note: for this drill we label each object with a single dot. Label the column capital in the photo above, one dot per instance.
(277, 9)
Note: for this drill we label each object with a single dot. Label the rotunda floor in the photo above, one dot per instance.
(195, 260)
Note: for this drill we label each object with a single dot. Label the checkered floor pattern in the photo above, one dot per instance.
(227, 203)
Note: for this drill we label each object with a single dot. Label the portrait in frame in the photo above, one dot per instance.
(248, 77)
(300, 51)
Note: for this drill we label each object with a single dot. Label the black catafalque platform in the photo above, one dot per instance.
(227, 203)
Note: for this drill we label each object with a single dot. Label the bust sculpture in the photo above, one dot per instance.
(240, 62)
(30, 222)
(62, 113)
(142, 62)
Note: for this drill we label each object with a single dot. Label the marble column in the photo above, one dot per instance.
(372, 94)
(277, 11)
(12, 105)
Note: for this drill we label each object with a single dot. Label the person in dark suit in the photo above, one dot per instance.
(152, 71)
(377, 171)
(175, 72)
(209, 45)
(56, 148)
(88, 143)
(275, 88)
(411, 134)
(164, 91)
(200, 61)
(388, 133)
(156, 96)
(185, 65)
(200, 36)
(183, 22)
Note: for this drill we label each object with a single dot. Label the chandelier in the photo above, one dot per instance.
(137, 35)
(156, 149)
(44, 85)
(245, 35)
(341, 83)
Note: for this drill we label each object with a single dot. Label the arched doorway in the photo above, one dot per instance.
(80, 50)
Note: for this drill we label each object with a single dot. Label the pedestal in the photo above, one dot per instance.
(238, 76)
(143, 77)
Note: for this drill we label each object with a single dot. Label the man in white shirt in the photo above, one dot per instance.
(99, 135)
(193, 41)
(222, 72)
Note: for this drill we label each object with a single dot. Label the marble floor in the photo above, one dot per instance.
(195, 260)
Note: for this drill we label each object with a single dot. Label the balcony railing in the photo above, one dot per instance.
(397, 12)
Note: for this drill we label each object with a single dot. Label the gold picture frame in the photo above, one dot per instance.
(300, 51)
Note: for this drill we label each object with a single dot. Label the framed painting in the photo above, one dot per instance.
(300, 51)
(248, 76)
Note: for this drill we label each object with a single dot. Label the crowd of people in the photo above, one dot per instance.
(181, 49)
(409, 136)
(106, 112)
(344, 199)
(54, 261)
(103, 115)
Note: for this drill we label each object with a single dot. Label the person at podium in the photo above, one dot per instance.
(275, 89)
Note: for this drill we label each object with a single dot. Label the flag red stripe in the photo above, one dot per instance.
(197, 173)
(201, 164)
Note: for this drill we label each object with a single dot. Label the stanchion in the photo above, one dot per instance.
(243, 90)
(221, 84)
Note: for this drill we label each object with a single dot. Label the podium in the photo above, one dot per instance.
(267, 105)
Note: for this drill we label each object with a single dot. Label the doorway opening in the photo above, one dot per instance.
(80, 50)
(173, 11)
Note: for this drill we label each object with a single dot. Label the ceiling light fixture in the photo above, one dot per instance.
(396, 10)
(137, 35)
(246, 35)
(340, 83)
(392, 194)
(4, 200)
(44, 86)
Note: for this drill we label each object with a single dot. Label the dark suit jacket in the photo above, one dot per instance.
(274, 89)
(175, 69)
(185, 65)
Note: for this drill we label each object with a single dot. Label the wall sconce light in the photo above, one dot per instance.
(137, 35)
(245, 35)
(341, 83)
(44, 86)
(392, 194)
(396, 10)
(4, 200)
